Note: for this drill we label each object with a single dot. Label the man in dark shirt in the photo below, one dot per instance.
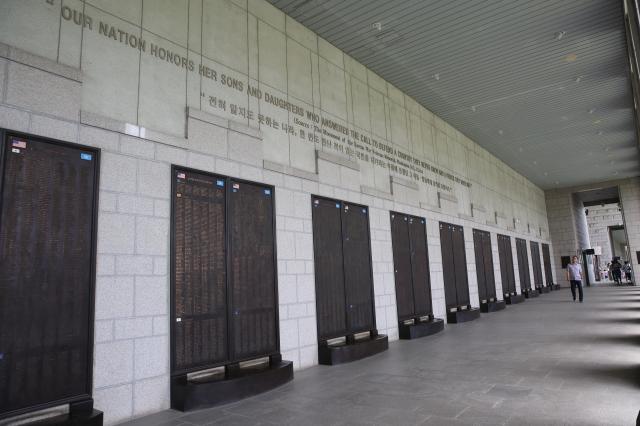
(616, 271)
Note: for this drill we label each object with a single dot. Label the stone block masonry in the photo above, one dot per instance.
(143, 131)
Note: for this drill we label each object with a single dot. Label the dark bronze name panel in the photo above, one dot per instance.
(224, 280)
(523, 264)
(252, 272)
(200, 274)
(484, 265)
(454, 266)
(537, 267)
(507, 273)
(411, 266)
(48, 208)
(344, 278)
(546, 258)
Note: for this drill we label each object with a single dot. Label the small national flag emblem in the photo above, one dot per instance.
(19, 144)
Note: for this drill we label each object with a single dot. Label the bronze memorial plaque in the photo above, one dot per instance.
(224, 281)
(47, 270)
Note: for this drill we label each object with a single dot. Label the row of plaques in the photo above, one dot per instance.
(224, 301)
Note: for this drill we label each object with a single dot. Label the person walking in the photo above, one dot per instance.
(616, 270)
(574, 276)
(627, 271)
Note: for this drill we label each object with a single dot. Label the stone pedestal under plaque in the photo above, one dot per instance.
(421, 328)
(93, 418)
(492, 306)
(352, 351)
(463, 316)
(81, 413)
(187, 395)
(513, 299)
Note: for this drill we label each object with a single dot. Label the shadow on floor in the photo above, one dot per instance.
(624, 375)
(621, 308)
(604, 339)
(615, 320)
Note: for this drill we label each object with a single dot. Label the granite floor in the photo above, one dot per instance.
(548, 361)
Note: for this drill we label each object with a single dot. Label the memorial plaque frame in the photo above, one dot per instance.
(347, 330)
(456, 263)
(420, 241)
(484, 266)
(416, 313)
(454, 267)
(412, 274)
(330, 320)
(229, 361)
(238, 309)
(401, 249)
(80, 404)
(537, 266)
(330, 350)
(546, 258)
(524, 270)
(448, 266)
(460, 266)
(354, 325)
(507, 272)
(173, 286)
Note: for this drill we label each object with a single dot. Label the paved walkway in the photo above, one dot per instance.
(548, 361)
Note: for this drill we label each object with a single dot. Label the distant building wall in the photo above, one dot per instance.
(563, 213)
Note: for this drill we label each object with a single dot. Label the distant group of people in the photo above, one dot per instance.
(617, 270)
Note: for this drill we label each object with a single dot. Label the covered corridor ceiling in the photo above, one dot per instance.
(543, 85)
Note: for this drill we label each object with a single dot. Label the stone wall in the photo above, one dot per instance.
(247, 62)
(600, 218)
(69, 82)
